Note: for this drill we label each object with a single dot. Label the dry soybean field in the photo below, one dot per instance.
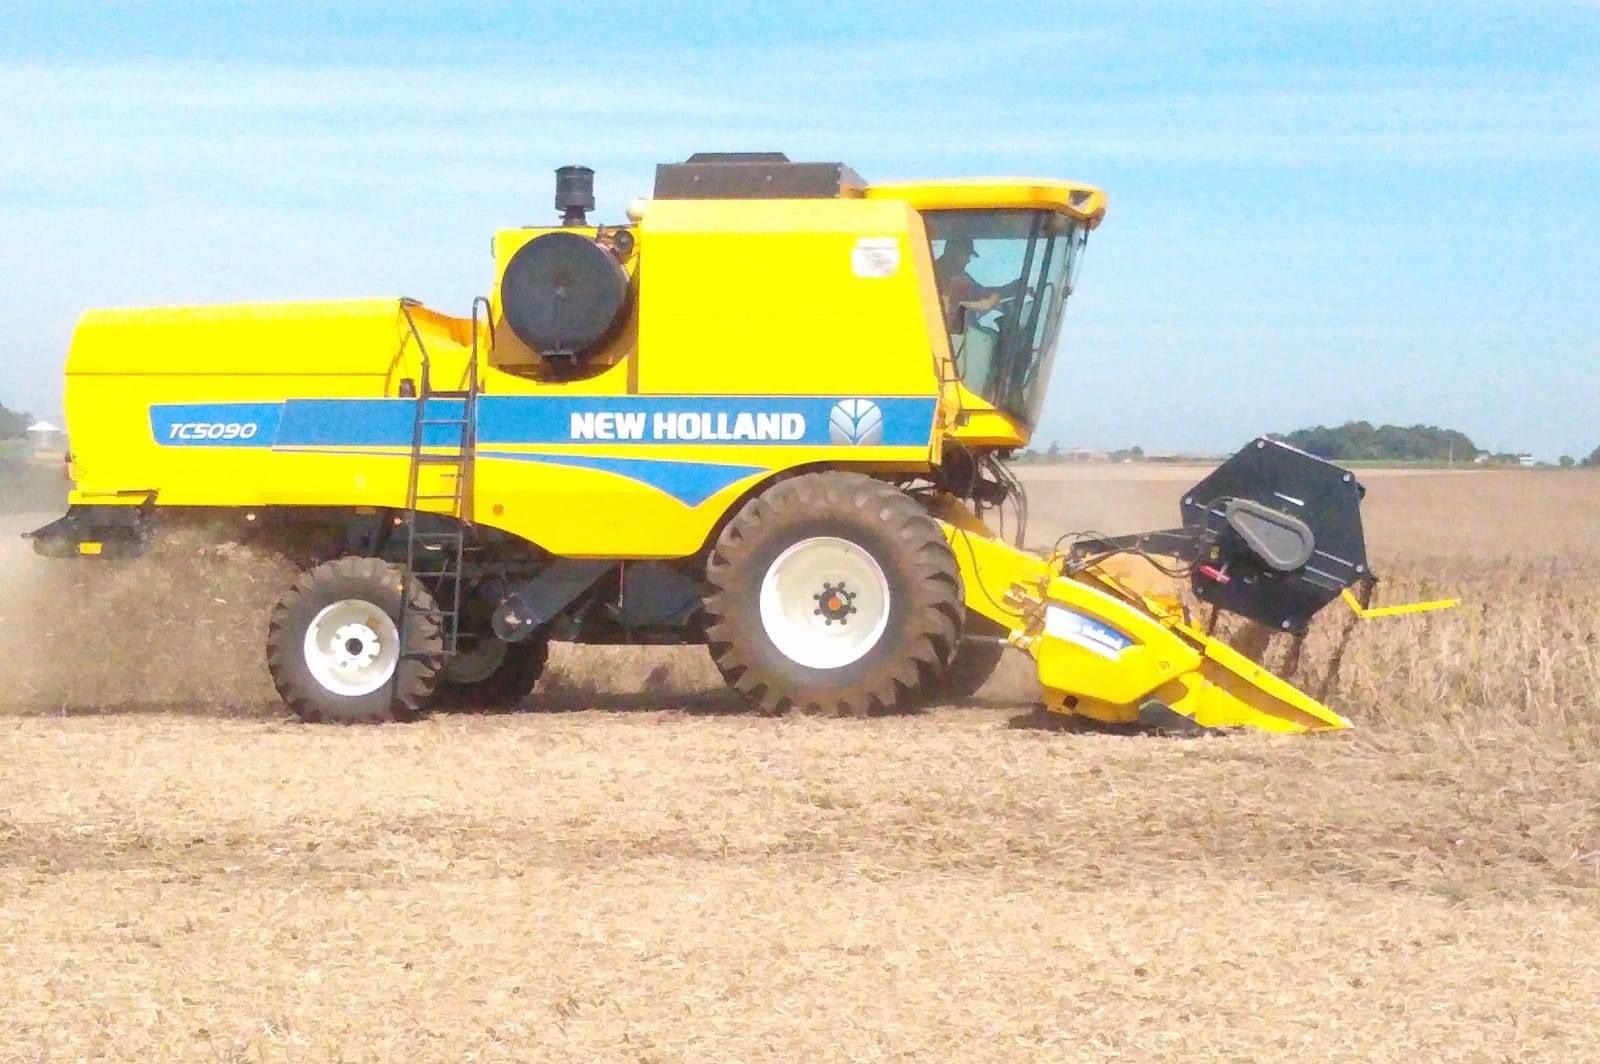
(632, 867)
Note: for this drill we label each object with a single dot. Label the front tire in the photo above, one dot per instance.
(832, 593)
(333, 644)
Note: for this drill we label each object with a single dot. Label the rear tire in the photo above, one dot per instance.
(333, 645)
(493, 676)
(800, 564)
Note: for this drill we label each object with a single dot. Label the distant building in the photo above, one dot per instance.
(1183, 458)
(1526, 459)
(43, 436)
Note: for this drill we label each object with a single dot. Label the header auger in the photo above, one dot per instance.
(765, 414)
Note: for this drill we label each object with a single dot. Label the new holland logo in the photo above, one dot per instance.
(856, 421)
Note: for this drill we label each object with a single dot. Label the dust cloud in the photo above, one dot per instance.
(182, 626)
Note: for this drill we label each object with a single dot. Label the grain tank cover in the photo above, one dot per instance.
(754, 175)
(563, 295)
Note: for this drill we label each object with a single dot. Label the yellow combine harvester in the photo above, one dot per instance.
(766, 414)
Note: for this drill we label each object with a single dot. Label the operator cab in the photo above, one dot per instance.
(1006, 253)
(1003, 277)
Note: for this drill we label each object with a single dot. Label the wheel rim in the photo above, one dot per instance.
(352, 647)
(824, 602)
(468, 667)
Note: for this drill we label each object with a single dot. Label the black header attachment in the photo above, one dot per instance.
(1273, 534)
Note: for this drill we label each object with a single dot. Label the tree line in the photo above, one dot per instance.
(13, 423)
(1361, 441)
(1354, 441)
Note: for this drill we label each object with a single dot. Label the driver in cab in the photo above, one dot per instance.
(957, 288)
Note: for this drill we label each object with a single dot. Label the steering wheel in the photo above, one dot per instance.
(1004, 307)
(1013, 311)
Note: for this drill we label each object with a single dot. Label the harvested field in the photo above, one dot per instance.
(646, 872)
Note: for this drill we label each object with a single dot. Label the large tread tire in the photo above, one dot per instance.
(925, 612)
(379, 583)
(982, 649)
(512, 680)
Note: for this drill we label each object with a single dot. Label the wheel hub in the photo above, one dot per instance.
(356, 646)
(352, 647)
(824, 602)
(834, 603)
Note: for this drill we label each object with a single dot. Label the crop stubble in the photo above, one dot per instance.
(649, 873)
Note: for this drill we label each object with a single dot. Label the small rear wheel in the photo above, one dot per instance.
(334, 648)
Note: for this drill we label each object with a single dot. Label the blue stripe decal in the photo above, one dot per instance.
(691, 483)
(896, 421)
(215, 424)
(366, 423)
(887, 421)
(403, 453)
(354, 426)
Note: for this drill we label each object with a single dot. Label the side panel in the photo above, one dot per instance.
(785, 297)
(187, 402)
(581, 475)
(649, 476)
(772, 335)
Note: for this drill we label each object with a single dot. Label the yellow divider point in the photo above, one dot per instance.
(1369, 612)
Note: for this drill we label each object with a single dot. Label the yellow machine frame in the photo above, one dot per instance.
(755, 320)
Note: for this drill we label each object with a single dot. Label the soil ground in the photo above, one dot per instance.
(635, 868)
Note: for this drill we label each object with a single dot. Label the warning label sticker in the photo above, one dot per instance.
(875, 256)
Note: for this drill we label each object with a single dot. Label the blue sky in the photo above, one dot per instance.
(1319, 211)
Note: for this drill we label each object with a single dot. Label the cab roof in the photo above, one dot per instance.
(1081, 201)
(772, 175)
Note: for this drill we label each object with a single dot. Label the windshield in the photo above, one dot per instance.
(1004, 277)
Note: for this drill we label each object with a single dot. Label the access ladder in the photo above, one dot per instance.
(443, 436)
